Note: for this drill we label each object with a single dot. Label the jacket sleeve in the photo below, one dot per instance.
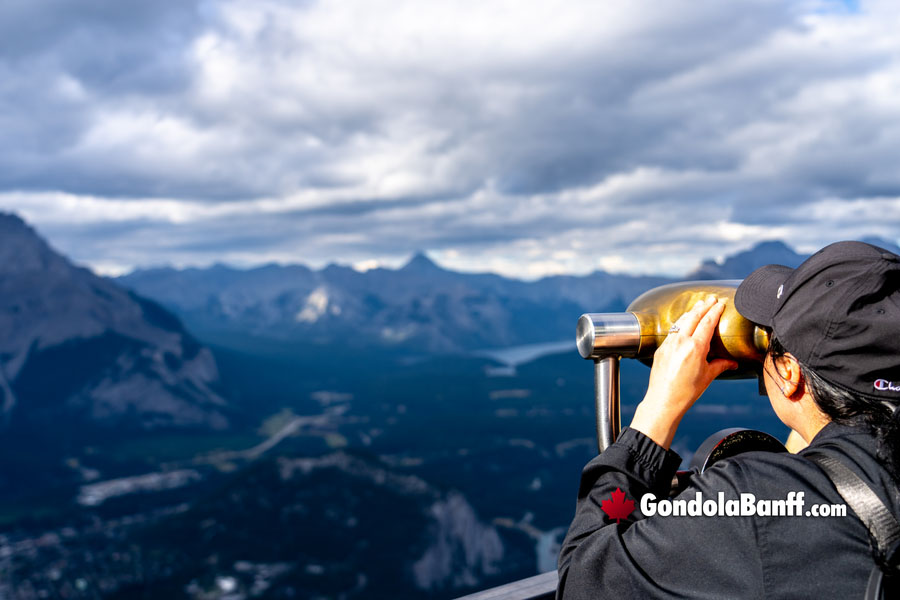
(657, 557)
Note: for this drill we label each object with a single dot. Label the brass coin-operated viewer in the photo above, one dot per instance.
(638, 332)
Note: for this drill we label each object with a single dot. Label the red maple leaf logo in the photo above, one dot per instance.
(618, 508)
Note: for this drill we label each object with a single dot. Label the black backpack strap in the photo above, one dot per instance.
(877, 518)
(882, 525)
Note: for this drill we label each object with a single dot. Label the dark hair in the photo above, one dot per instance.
(847, 408)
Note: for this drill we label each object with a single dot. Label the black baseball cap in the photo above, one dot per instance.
(838, 313)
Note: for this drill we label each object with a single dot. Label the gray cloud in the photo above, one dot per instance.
(529, 139)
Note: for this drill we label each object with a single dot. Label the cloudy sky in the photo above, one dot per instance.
(525, 138)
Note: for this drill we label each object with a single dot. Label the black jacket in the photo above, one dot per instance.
(721, 557)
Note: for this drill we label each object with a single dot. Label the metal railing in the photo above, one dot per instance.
(539, 587)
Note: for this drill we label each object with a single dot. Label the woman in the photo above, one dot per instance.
(832, 375)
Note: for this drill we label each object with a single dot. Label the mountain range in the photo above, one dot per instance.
(420, 306)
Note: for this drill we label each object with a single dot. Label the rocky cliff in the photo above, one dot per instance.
(79, 347)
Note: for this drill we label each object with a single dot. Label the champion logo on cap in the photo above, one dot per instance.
(885, 385)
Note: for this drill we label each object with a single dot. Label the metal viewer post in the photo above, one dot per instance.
(604, 338)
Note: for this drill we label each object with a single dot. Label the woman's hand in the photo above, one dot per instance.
(680, 372)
